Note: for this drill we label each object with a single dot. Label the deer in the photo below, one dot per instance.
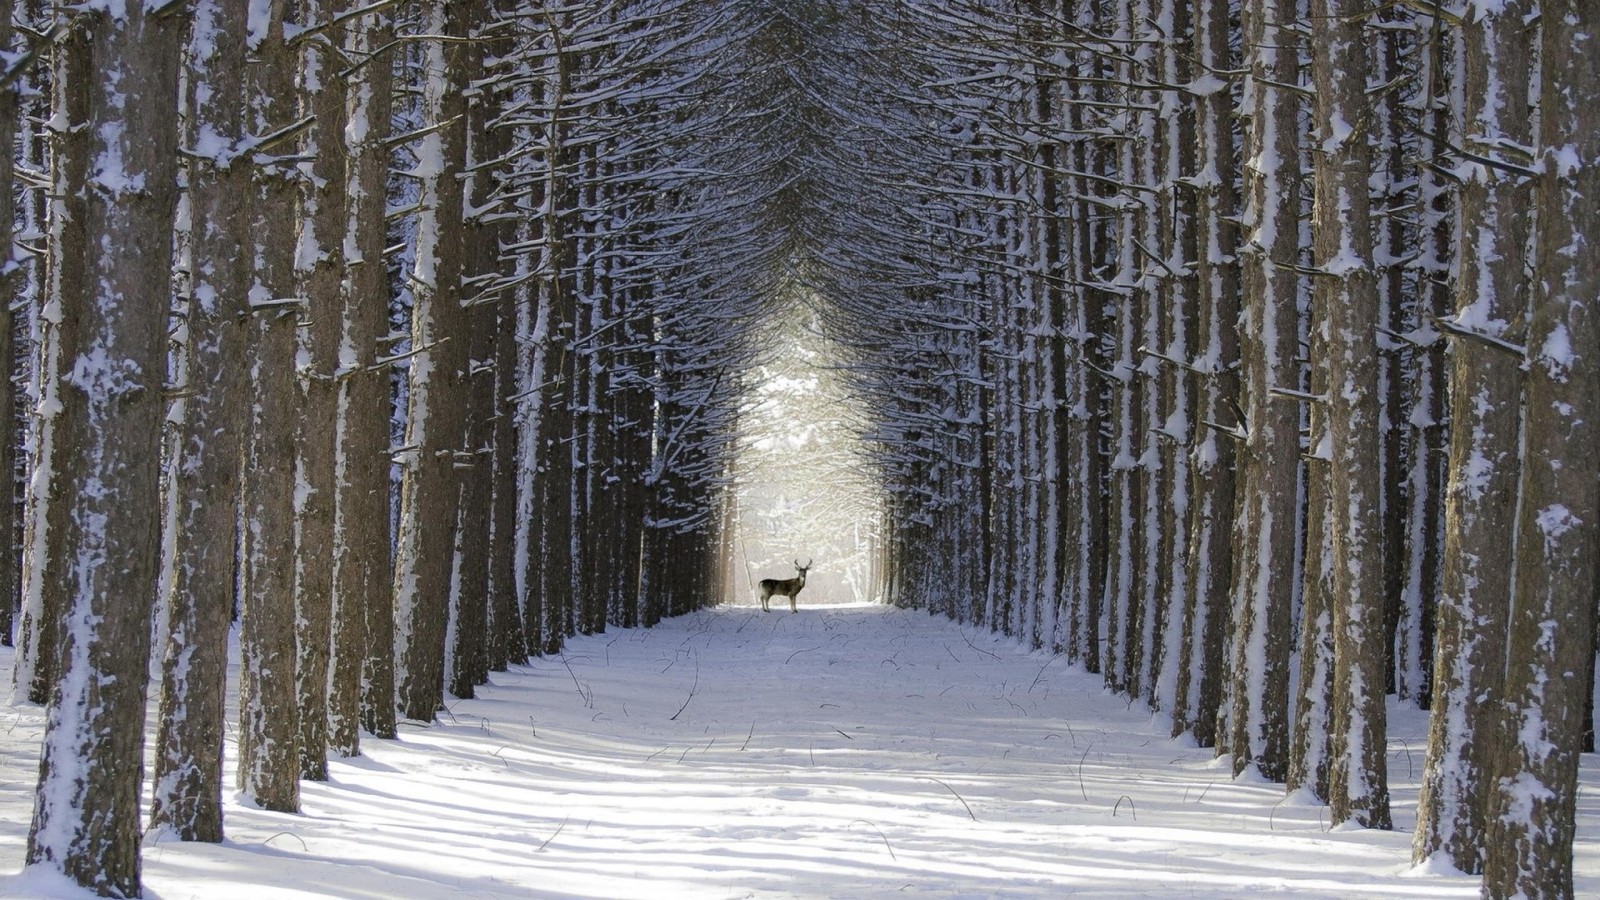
(784, 587)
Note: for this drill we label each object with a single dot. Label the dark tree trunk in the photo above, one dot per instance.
(108, 434)
(189, 742)
(269, 757)
(1552, 635)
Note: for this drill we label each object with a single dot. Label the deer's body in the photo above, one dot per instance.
(784, 587)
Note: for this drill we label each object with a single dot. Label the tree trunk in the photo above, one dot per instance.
(107, 471)
(507, 641)
(11, 284)
(319, 273)
(269, 758)
(1177, 285)
(1347, 295)
(44, 604)
(1494, 53)
(362, 684)
(1265, 533)
(210, 421)
(1552, 628)
(440, 335)
(1218, 429)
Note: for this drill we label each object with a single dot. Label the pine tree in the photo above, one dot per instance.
(1551, 641)
(1494, 54)
(210, 420)
(1347, 298)
(1265, 536)
(269, 758)
(108, 430)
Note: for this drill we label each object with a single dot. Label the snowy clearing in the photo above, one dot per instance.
(842, 752)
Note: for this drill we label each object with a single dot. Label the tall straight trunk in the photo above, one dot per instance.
(319, 274)
(1142, 273)
(1265, 532)
(27, 290)
(1393, 238)
(1210, 559)
(11, 285)
(1494, 55)
(1000, 378)
(86, 818)
(1055, 546)
(536, 355)
(1087, 414)
(440, 336)
(1311, 752)
(469, 659)
(1551, 639)
(587, 541)
(44, 603)
(469, 586)
(1426, 419)
(507, 640)
(557, 313)
(209, 421)
(1348, 296)
(269, 758)
(1177, 284)
(1126, 524)
(361, 687)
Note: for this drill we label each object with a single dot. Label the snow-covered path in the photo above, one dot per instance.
(840, 752)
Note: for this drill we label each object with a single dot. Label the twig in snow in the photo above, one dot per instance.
(1114, 809)
(693, 689)
(553, 836)
(881, 835)
(1081, 759)
(994, 656)
(1041, 671)
(588, 695)
(1410, 773)
(800, 651)
(748, 737)
(287, 834)
(958, 797)
(1274, 812)
(846, 736)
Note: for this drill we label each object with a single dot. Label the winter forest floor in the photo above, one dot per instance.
(841, 752)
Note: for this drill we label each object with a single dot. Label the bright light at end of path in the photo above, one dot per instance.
(804, 486)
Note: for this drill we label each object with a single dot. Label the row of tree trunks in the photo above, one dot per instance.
(1357, 430)
(285, 358)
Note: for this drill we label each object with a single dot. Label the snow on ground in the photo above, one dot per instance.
(841, 752)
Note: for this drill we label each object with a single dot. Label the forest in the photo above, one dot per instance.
(1243, 353)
